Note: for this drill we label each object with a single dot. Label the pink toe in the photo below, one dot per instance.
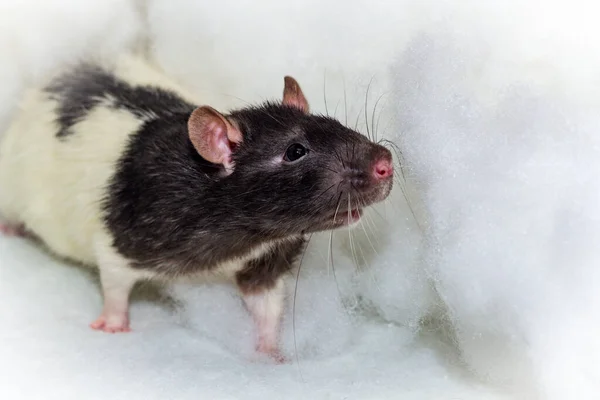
(272, 353)
(114, 324)
(117, 329)
(98, 324)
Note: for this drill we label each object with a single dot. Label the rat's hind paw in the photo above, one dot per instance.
(12, 230)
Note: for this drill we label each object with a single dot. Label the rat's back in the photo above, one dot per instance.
(63, 146)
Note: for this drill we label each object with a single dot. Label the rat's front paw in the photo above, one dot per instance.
(112, 323)
(272, 352)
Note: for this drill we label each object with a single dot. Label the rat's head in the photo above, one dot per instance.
(286, 171)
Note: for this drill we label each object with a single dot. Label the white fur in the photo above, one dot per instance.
(117, 279)
(55, 187)
(226, 271)
(266, 308)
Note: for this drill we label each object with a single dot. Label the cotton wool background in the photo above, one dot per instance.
(498, 123)
(483, 286)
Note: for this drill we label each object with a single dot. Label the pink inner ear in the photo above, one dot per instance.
(234, 134)
(293, 102)
(216, 143)
(208, 131)
(293, 96)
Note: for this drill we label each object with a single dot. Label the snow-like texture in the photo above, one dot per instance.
(484, 286)
(203, 351)
(501, 134)
(38, 36)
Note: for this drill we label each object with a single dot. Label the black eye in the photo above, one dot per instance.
(295, 152)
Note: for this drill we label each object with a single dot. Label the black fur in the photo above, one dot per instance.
(264, 271)
(172, 212)
(88, 85)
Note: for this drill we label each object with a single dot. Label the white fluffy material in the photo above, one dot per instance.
(204, 351)
(494, 115)
(498, 122)
(38, 36)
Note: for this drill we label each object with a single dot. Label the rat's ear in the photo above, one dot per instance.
(213, 136)
(293, 96)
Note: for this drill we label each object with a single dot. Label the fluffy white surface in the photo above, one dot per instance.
(500, 130)
(201, 352)
(39, 36)
(493, 111)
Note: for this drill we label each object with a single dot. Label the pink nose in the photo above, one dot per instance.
(383, 169)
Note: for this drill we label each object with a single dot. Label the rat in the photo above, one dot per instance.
(118, 167)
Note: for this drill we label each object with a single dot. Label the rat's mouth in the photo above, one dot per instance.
(336, 220)
(346, 218)
(341, 216)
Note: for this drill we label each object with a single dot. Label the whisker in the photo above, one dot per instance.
(325, 91)
(330, 255)
(237, 98)
(325, 191)
(351, 241)
(371, 274)
(392, 144)
(377, 124)
(336, 155)
(357, 118)
(372, 228)
(373, 117)
(402, 181)
(268, 114)
(333, 268)
(336, 108)
(329, 251)
(346, 146)
(335, 151)
(366, 107)
(389, 121)
(362, 224)
(330, 169)
(330, 258)
(338, 206)
(345, 102)
(410, 207)
(294, 308)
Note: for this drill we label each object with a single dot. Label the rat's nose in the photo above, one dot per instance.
(383, 169)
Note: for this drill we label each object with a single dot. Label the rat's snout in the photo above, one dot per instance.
(382, 164)
(383, 168)
(371, 172)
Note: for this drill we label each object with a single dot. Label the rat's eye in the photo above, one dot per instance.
(295, 152)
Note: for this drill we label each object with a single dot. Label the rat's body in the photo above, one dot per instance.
(120, 169)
